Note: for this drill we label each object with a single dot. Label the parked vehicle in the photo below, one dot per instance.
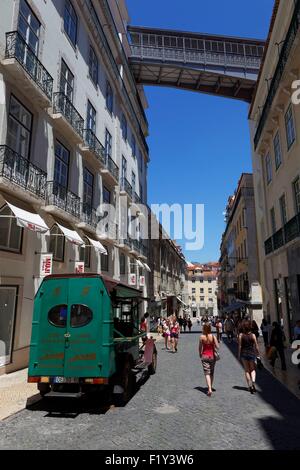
(85, 337)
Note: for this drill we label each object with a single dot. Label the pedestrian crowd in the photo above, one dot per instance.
(170, 328)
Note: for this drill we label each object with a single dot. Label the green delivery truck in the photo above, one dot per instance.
(86, 337)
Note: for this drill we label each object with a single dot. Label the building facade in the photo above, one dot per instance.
(240, 287)
(73, 154)
(203, 289)
(275, 129)
(167, 279)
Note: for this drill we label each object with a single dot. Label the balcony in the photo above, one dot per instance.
(27, 71)
(93, 148)
(289, 232)
(61, 201)
(143, 250)
(67, 118)
(108, 232)
(88, 217)
(111, 171)
(126, 188)
(17, 173)
(125, 244)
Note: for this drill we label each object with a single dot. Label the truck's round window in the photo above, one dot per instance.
(57, 316)
(81, 315)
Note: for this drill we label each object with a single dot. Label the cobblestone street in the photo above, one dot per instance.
(170, 411)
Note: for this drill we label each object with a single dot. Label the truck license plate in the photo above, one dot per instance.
(65, 380)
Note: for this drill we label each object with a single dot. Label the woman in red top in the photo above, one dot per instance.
(207, 345)
(175, 328)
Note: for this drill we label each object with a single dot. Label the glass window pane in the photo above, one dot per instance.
(81, 315)
(57, 316)
(8, 296)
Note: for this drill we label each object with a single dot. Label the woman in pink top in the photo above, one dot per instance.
(207, 346)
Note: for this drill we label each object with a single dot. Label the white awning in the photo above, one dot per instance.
(71, 235)
(178, 298)
(147, 267)
(28, 220)
(140, 264)
(97, 245)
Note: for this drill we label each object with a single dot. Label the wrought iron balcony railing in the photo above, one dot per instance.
(143, 249)
(59, 196)
(20, 171)
(283, 59)
(62, 105)
(112, 167)
(17, 48)
(89, 215)
(126, 186)
(278, 239)
(289, 232)
(91, 141)
(136, 198)
(292, 229)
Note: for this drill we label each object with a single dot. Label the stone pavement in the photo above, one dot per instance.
(170, 412)
(14, 392)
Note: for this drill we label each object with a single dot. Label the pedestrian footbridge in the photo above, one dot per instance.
(218, 65)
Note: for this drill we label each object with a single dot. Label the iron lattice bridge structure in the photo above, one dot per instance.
(218, 65)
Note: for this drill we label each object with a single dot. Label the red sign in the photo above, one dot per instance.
(132, 279)
(46, 264)
(142, 281)
(79, 267)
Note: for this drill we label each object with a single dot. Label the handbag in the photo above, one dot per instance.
(217, 355)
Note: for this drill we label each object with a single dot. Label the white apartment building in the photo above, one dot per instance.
(72, 139)
(275, 127)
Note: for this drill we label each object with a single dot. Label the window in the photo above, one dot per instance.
(122, 264)
(109, 98)
(81, 315)
(141, 161)
(282, 204)
(10, 233)
(201, 291)
(290, 127)
(193, 281)
(66, 85)
(108, 144)
(106, 195)
(19, 128)
(269, 168)
(105, 261)
(91, 117)
(61, 166)
(277, 151)
(85, 252)
(141, 193)
(273, 220)
(88, 185)
(124, 127)
(29, 26)
(124, 168)
(70, 21)
(296, 190)
(8, 302)
(133, 181)
(93, 66)
(193, 291)
(133, 145)
(57, 316)
(210, 290)
(57, 244)
(202, 299)
(201, 279)
(209, 280)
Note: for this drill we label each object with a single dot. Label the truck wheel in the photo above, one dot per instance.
(153, 365)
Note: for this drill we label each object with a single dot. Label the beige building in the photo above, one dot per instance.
(73, 155)
(275, 128)
(203, 289)
(167, 279)
(239, 282)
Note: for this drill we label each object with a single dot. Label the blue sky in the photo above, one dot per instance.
(199, 144)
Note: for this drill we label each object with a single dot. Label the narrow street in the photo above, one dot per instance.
(170, 411)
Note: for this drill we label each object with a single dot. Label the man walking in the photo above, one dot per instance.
(229, 328)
